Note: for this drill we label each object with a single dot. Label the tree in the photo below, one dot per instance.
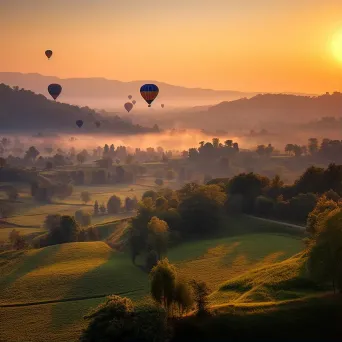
(114, 205)
(163, 283)
(69, 228)
(183, 296)
(85, 196)
(16, 240)
(263, 206)
(157, 236)
(52, 222)
(325, 256)
(32, 153)
(201, 293)
(313, 146)
(96, 208)
(81, 158)
(6, 209)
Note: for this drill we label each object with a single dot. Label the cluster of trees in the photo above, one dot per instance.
(193, 210)
(64, 229)
(115, 205)
(212, 150)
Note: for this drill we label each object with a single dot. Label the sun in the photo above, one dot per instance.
(336, 45)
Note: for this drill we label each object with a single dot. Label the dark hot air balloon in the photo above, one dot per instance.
(134, 102)
(129, 97)
(162, 105)
(48, 54)
(54, 90)
(149, 92)
(98, 124)
(128, 106)
(79, 123)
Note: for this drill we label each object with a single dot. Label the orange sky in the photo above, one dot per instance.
(249, 45)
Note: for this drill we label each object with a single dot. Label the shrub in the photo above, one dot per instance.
(114, 205)
(85, 196)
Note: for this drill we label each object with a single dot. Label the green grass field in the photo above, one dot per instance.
(74, 275)
(29, 213)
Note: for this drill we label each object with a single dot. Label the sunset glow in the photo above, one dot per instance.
(249, 45)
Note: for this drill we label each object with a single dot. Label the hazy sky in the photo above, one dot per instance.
(256, 45)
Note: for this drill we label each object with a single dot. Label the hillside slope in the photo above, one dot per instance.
(24, 110)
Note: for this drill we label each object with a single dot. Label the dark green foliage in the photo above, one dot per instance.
(114, 205)
(201, 292)
(183, 296)
(118, 320)
(163, 283)
(83, 218)
(263, 206)
(150, 193)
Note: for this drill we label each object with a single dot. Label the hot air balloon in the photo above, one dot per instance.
(129, 97)
(98, 124)
(162, 105)
(128, 106)
(134, 102)
(48, 54)
(54, 90)
(149, 92)
(79, 123)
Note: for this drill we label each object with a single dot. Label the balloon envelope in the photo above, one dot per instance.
(128, 106)
(134, 102)
(162, 105)
(79, 123)
(149, 92)
(54, 90)
(48, 54)
(130, 97)
(98, 124)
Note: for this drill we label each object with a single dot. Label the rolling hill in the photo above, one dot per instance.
(104, 93)
(262, 109)
(23, 110)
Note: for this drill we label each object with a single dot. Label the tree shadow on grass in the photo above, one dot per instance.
(116, 276)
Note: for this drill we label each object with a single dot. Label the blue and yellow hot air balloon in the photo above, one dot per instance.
(149, 92)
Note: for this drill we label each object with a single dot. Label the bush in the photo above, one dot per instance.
(263, 206)
(114, 205)
(150, 193)
(118, 320)
(83, 218)
(85, 196)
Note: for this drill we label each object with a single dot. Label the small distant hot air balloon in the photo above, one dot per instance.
(79, 123)
(48, 54)
(149, 92)
(130, 97)
(128, 106)
(54, 90)
(98, 124)
(134, 102)
(162, 105)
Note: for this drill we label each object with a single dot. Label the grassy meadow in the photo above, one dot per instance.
(46, 292)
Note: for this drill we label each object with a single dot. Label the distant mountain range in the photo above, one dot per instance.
(22, 111)
(104, 93)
